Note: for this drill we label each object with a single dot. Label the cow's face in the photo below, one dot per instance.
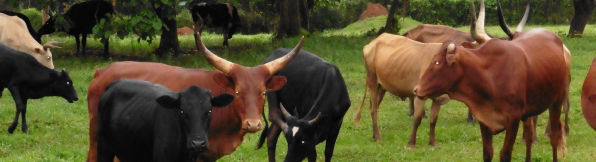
(63, 86)
(250, 85)
(300, 136)
(48, 27)
(195, 105)
(442, 74)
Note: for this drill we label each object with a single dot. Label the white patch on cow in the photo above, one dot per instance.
(294, 131)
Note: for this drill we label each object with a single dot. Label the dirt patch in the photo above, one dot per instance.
(185, 31)
(372, 10)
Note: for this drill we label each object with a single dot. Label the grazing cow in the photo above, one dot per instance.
(27, 22)
(503, 82)
(142, 121)
(216, 15)
(228, 127)
(589, 96)
(26, 79)
(13, 34)
(81, 18)
(317, 94)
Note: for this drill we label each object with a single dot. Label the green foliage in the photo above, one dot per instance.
(184, 19)
(34, 16)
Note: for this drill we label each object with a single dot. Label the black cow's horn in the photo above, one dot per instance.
(283, 111)
(314, 120)
(278, 64)
(221, 64)
(504, 25)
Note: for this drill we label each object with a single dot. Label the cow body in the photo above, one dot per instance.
(13, 33)
(23, 17)
(315, 89)
(395, 63)
(82, 17)
(216, 15)
(503, 82)
(142, 121)
(27, 79)
(588, 99)
(229, 125)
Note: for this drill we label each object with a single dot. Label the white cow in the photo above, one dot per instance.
(14, 34)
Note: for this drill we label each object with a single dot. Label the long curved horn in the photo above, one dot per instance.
(314, 120)
(478, 33)
(502, 22)
(473, 23)
(283, 125)
(51, 44)
(278, 64)
(283, 111)
(221, 64)
(522, 23)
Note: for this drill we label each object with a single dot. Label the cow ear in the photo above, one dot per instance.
(222, 100)
(169, 101)
(223, 80)
(38, 50)
(54, 76)
(275, 83)
(451, 58)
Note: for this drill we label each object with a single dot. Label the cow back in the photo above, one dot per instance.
(20, 68)
(13, 33)
(398, 62)
(427, 33)
(83, 16)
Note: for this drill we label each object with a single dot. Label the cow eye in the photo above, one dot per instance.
(236, 92)
(437, 63)
(209, 114)
(264, 93)
(181, 111)
(67, 83)
(302, 142)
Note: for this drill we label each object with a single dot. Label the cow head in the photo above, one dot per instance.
(48, 27)
(443, 72)
(63, 85)
(195, 105)
(44, 56)
(249, 83)
(300, 136)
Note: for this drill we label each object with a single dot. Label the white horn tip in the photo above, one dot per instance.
(450, 48)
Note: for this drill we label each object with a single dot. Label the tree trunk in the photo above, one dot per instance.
(390, 18)
(583, 12)
(304, 15)
(289, 19)
(169, 38)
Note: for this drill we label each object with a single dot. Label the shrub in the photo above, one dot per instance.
(34, 16)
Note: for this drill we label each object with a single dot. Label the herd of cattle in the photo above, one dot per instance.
(138, 109)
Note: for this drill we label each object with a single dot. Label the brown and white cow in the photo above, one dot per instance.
(589, 96)
(229, 125)
(504, 82)
(14, 34)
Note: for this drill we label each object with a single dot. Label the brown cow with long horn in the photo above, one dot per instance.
(229, 125)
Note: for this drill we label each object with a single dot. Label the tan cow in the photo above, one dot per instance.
(395, 63)
(14, 34)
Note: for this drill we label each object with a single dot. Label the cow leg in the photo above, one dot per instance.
(510, 135)
(529, 132)
(312, 157)
(566, 111)
(487, 143)
(330, 142)
(104, 151)
(20, 107)
(84, 43)
(376, 96)
(411, 99)
(470, 117)
(77, 41)
(434, 115)
(557, 137)
(418, 115)
(225, 35)
(274, 132)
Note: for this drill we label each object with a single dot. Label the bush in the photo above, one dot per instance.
(184, 19)
(34, 16)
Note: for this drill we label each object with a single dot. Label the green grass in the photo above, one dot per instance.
(59, 131)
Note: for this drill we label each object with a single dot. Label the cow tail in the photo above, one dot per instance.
(562, 148)
(359, 112)
(263, 133)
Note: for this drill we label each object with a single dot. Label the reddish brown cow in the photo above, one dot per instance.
(589, 96)
(503, 82)
(229, 125)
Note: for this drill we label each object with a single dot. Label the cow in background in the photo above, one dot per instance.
(13, 33)
(81, 17)
(317, 95)
(26, 79)
(216, 15)
(32, 31)
(142, 121)
(588, 99)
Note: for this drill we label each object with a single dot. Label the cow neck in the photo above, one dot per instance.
(475, 81)
(42, 87)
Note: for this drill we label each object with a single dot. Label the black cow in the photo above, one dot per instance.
(216, 15)
(317, 94)
(142, 121)
(82, 17)
(27, 21)
(26, 78)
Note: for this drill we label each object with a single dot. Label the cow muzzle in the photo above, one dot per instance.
(198, 146)
(253, 126)
(418, 94)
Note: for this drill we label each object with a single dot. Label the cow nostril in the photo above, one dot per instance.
(200, 143)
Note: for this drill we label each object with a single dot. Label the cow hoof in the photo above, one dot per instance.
(25, 130)
(471, 122)
(433, 144)
(409, 147)
(11, 129)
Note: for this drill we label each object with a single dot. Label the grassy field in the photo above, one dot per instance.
(58, 131)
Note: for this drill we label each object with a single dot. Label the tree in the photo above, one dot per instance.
(289, 19)
(391, 17)
(583, 12)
